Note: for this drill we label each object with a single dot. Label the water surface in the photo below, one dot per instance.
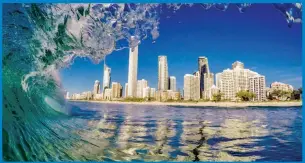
(116, 132)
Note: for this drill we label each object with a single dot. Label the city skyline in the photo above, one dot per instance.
(169, 78)
(274, 52)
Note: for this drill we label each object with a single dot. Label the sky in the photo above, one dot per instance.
(260, 38)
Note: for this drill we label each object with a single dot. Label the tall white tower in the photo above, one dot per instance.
(162, 73)
(132, 72)
(106, 78)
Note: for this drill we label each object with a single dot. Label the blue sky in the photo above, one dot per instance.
(260, 38)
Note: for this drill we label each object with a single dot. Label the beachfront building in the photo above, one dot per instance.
(281, 86)
(212, 91)
(84, 96)
(153, 93)
(231, 81)
(208, 79)
(257, 85)
(107, 75)
(132, 72)
(108, 94)
(98, 96)
(141, 84)
(167, 95)
(172, 83)
(162, 73)
(146, 92)
(96, 87)
(162, 96)
(203, 68)
(173, 95)
(191, 89)
(116, 90)
(196, 86)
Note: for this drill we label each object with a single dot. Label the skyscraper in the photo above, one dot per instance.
(257, 85)
(106, 78)
(132, 72)
(96, 87)
(203, 68)
(172, 83)
(162, 73)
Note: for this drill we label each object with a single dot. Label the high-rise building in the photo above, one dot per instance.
(187, 85)
(231, 81)
(191, 87)
(208, 79)
(132, 72)
(108, 94)
(196, 86)
(85, 96)
(217, 78)
(96, 87)
(257, 85)
(225, 82)
(116, 90)
(126, 90)
(107, 75)
(162, 73)
(162, 96)
(146, 92)
(172, 83)
(153, 92)
(141, 84)
(203, 68)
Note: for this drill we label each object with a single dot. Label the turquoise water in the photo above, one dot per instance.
(164, 133)
(39, 125)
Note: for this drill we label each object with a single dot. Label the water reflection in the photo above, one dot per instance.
(160, 133)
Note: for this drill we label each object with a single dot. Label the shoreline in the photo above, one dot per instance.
(202, 104)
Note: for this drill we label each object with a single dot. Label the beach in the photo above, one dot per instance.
(203, 104)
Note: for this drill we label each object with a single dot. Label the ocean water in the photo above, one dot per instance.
(39, 125)
(120, 132)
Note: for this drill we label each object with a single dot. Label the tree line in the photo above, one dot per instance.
(279, 95)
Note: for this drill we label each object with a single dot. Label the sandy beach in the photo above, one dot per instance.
(202, 104)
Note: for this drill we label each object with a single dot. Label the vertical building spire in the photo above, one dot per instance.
(132, 72)
(107, 73)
